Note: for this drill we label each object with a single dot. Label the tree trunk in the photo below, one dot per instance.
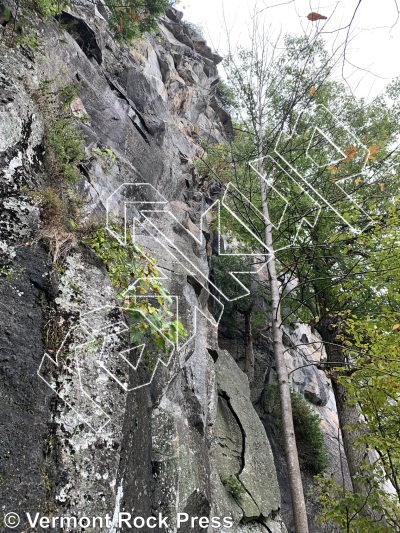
(351, 426)
(248, 346)
(291, 454)
(349, 417)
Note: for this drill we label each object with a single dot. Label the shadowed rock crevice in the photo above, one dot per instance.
(134, 115)
(224, 404)
(83, 35)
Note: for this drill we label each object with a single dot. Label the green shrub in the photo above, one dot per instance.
(234, 487)
(64, 142)
(68, 93)
(51, 203)
(226, 96)
(346, 511)
(6, 13)
(65, 149)
(311, 448)
(107, 155)
(129, 264)
(21, 27)
(131, 18)
(48, 8)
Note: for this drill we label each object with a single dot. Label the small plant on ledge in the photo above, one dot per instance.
(145, 300)
(234, 487)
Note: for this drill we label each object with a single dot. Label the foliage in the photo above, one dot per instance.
(134, 275)
(64, 142)
(64, 151)
(234, 487)
(107, 154)
(67, 94)
(47, 8)
(226, 95)
(261, 78)
(261, 90)
(328, 247)
(51, 203)
(10, 273)
(6, 14)
(131, 18)
(232, 320)
(344, 508)
(20, 28)
(313, 455)
(313, 250)
(339, 264)
(65, 145)
(373, 384)
(312, 451)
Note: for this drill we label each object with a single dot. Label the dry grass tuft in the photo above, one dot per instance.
(58, 241)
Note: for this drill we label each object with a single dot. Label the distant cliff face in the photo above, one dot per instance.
(178, 444)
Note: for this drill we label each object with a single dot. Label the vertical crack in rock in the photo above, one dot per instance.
(256, 469)
(242, 462)
(225, 396)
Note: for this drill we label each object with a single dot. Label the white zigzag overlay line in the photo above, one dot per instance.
(147, 213)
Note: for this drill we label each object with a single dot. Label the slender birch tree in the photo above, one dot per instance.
(255, 81)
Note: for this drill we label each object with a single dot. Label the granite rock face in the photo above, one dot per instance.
(168, 447)
(25, 423)
(240, 438)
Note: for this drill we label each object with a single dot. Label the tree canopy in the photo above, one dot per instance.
(328, 164)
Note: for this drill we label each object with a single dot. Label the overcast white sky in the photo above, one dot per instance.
(375, 43)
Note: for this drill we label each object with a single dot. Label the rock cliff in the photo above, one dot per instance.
(167, 447)
(80, 435)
